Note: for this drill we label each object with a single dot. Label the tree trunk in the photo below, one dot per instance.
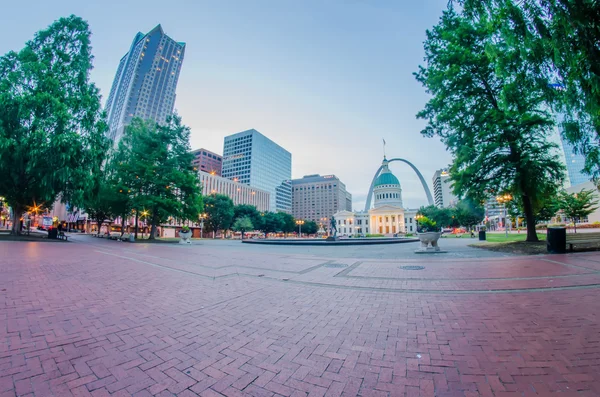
(153, 228)
(242, 234)
(136, 223)
(99, 223)
(574, 225)
(529, 217)
(16, 226)
(122, 225)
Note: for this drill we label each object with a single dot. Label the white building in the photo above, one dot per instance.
(442, 189)
(388, 215)
(238, 192)
(594, 216)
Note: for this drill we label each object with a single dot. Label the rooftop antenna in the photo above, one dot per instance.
(383, 147)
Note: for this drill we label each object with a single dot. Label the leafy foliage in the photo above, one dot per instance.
(288, 223)
(271, 223)
(469, 213)
(559, 39)
(310, 227)
(242, 225)
(51, 124)
(250, 211)
(425, 224)
(219, 212)
(578, 205)
(487, 107)
(443, 217)
(156, 168)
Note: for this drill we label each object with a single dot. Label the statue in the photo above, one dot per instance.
(333, 226)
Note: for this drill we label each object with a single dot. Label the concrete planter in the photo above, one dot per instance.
(185, 237)
(429, 242)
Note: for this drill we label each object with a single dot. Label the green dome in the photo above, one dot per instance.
(386, 178)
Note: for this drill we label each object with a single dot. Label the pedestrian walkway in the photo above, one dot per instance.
(102, 318)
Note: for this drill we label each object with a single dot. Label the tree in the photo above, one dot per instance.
(271, 223)
(51, 124)
(469, 213)
(487, 106)
(242, 225)
(310, 227)
(443, 217)
(242, 210)
(219, 212)
(156, 166)
(288, 223)
(560, 39)
(99, 201)
(578, 205)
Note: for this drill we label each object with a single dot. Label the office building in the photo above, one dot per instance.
(317, 198)
(253, 159)
(442, 189)
(574, 162)
(207, 161)
(238, 192)
(145, 82)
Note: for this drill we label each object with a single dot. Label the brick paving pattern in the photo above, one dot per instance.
(102, 318)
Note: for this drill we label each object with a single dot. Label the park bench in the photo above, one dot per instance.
(63, 236)
(579, 238)
(125, 237)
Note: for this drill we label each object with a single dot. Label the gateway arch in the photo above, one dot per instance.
(425, 187)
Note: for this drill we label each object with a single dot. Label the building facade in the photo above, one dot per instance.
(574, 162)
(207, 161)
(442, 189)
(317, 198)
(238, 192)
(387, 217)
(251, 158)
(145, 82)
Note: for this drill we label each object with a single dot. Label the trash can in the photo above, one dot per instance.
(482, 235)
(52, 233)
(556, 240)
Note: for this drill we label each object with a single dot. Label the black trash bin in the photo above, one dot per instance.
(52, 233)
(556, 240)
(482, 235)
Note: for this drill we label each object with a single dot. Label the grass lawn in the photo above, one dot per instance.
(501, 238)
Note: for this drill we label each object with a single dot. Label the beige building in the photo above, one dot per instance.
(238, 192)
(442, 189)
(594, 216)
(317, 197)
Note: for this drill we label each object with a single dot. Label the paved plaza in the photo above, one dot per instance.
(102, 318)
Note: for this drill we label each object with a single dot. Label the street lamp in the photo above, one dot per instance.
(300, 223)
(202, 216)
(503, 199)
(417, 217)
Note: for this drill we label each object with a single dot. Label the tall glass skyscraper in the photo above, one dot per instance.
(574, 163)
(251, 158)
(145, 82)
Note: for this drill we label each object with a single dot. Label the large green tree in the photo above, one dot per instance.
(155, 165)
(310, 227)
(558, 38)
(51, 124)
(487, 106)
(219, 212)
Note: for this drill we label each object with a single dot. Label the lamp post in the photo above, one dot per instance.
(202, 216)
(417, 217)
(503, 199)
(300, 223)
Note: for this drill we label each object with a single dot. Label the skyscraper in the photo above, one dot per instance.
(145, 81)
(317, 197)
(574, 163)
(442, 189)
(251, 158)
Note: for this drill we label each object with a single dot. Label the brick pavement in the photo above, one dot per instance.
(99, 318)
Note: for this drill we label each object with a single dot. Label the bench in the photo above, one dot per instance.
(125, 237)
(579, 238)
(63, 236)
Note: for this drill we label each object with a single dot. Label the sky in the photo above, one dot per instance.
(325, 79)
